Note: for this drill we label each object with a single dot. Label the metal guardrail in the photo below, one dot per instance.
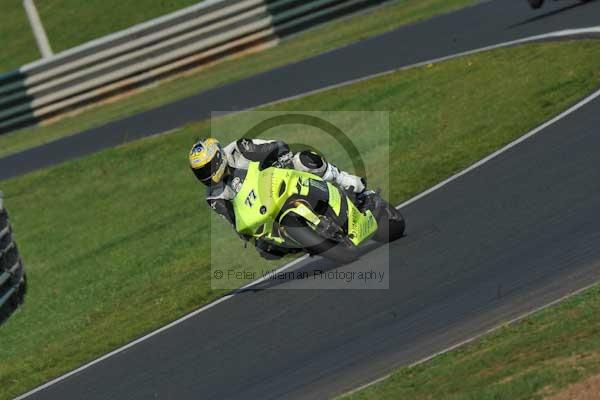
(13, 281)
(149, 51)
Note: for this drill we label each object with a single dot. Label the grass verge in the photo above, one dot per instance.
(118, 243)
(533, 359)
(313, 42)
(69, 23)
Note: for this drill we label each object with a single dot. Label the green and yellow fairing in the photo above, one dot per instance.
(265, 193)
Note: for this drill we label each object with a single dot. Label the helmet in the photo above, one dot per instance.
(206, 161)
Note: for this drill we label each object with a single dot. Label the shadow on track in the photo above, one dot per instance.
(550, 14)
(314, 265)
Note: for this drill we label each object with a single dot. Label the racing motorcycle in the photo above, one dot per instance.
(302, 212)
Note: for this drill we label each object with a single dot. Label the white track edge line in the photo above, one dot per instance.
(156, 332)
(512, 144)
(475, 337)
(530, 39)
(568, 32)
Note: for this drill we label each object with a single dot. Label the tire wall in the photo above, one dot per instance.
(12, 272)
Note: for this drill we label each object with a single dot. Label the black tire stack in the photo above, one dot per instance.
(13, 281)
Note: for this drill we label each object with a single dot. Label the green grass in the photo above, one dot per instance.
(532, 359)
(117, 243)
(313, 42)
(69, 23)
(16, 40)
(73, 22)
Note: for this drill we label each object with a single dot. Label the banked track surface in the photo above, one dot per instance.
(512, 235)
(486, 24)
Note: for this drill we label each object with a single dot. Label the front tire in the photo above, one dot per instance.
(297, 229)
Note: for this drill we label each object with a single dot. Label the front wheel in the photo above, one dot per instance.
(297, 230)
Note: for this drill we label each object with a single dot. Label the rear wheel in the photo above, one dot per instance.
(390, 224)
(298, 230)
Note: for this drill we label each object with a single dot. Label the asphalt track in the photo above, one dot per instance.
(512, 235)
(486, 24)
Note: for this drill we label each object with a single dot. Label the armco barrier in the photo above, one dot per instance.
(13, 283)
(146, 52)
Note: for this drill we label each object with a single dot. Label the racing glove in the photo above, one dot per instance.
(348, 181)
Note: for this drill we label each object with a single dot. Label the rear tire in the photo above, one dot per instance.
(389, 228)
(298, 230)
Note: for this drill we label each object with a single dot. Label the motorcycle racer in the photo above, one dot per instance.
(223, 169)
